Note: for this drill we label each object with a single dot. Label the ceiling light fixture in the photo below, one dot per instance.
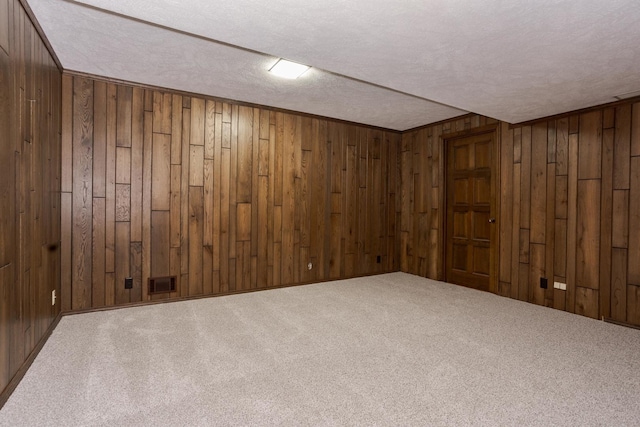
(288, 69)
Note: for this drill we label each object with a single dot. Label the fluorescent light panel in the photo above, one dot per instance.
(288, 69)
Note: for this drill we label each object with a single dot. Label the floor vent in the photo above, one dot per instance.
(162, 285)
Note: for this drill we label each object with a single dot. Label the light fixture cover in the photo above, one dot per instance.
(288, 69)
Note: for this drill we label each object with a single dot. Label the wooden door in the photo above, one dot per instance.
(470, 224)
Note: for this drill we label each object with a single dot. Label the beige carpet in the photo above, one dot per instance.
(393, 349)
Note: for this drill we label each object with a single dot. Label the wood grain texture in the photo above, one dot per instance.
(233, 198)
(31, 160)
(571, 186)
(280, 190)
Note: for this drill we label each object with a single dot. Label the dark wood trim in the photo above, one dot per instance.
(36, 25)
(574, 112)
(619, 323)
(6, 393)
(231, 101)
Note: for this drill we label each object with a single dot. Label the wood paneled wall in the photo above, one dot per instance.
(225, 197)
(29, 189)
(570, 209)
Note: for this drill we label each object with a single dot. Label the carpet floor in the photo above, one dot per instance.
(393, 349)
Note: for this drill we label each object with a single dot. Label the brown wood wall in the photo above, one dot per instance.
(570, 209)
(29, 188)
(225, 197)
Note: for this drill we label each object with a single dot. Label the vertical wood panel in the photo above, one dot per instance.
(590, 141)
(538, 182)
(82, 192)
(137, 163)
(525, 179)
(160, 172)
(622, 147)
(620, 221)
(606, 204)
(124, 100)
(506, 203)
(635, 130)
(619, 284)
(33, 210)
(588, 235)
(160, 244)
(196, 216)
(572, 207)
(634, 222)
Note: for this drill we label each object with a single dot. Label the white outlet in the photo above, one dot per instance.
(309, 266)
(53, 297)
(559, 285)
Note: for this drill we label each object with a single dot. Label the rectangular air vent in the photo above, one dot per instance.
(162, 285)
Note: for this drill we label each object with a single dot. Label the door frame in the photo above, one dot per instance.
(494, 255)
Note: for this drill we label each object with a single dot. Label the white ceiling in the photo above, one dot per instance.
(394, 64)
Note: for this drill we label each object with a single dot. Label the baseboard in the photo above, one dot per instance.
(219, 294)
(6, 393)
(619, 323)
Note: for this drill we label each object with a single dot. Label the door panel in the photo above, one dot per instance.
(468, 227)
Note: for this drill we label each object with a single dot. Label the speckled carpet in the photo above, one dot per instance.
(393, 349)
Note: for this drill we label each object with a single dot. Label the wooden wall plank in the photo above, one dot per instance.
(99, 139)
(82, 192)
(176, 130)
(588, 234)
(525, 179)
(98, 252)
(245, 154)
(622, 146)
(572, 209)
(137, 163)
(160, 172)
(515, 232)
(506, 203)
(635, 129)
(562, 146)
(123, 263)
(538, 182)
(536, 271)
(123, 129)
(67, 134)
(590, 140)
(160, 244)
(634, 223)
(162, 110)
(147, 150)
(606, 205)
(587, 302)
(620, 219)
(619, 284)
(196, 216)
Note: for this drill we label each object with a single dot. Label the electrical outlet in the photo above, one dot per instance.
(128, 283)
(543, 282)
(309, 266)
(53, 297)
(560, 286)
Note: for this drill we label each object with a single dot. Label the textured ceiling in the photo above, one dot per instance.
(394, 64)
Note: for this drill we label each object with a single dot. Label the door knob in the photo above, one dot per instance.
(492, 220)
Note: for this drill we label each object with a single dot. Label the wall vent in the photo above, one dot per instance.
(162, 285)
